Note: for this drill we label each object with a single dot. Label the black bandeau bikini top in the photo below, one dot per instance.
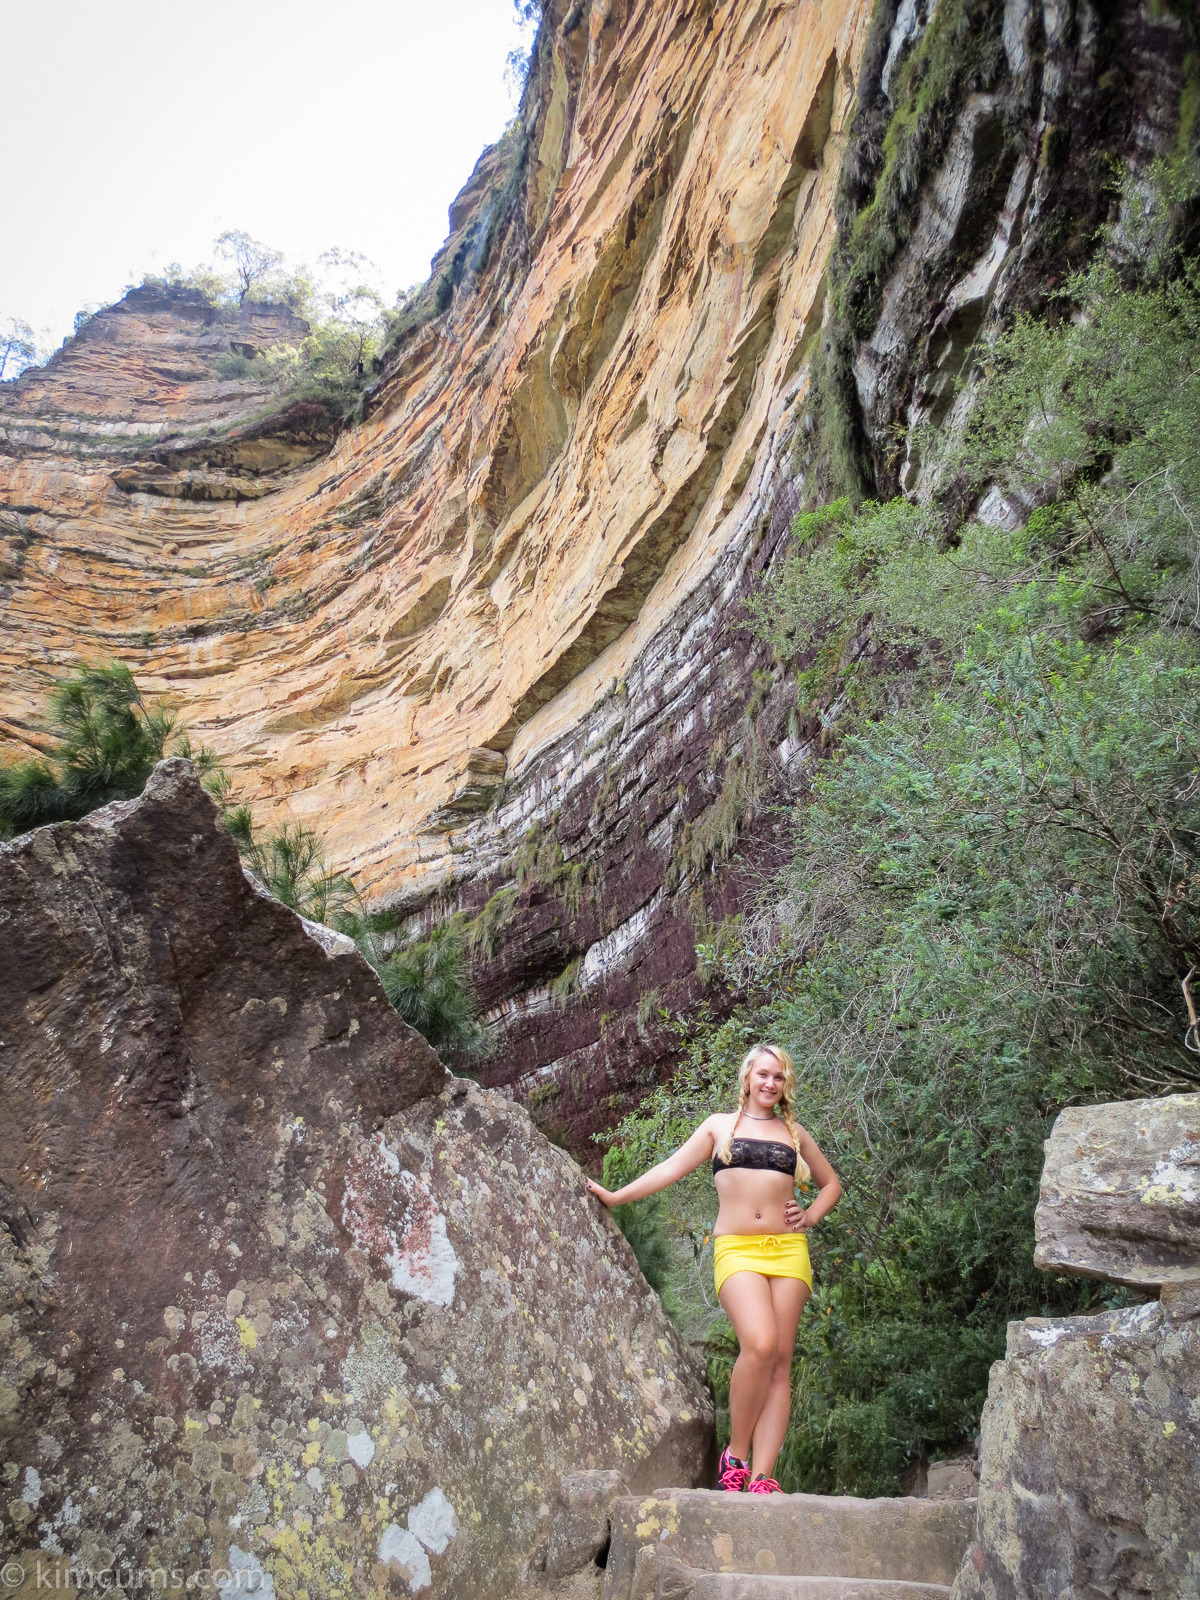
(764, 1155)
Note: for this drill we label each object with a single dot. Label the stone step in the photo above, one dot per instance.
(822, 1537)
(679, 1582)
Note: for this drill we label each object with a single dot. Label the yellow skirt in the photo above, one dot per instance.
(774, 1255)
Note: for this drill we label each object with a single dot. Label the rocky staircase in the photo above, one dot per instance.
(695, 1544)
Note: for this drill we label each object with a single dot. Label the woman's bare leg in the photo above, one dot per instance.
(746, 1300)
(788, 1298)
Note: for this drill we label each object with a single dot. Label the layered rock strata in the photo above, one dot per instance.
(490, 641)
(282, 1298)
(545, 469)
(1090, 1434)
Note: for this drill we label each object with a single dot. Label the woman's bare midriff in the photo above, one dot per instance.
(752, 1201)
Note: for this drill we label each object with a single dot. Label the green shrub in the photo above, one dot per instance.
(644, 1225)
(290, 861)
(107, 740)
(428, 983)
(232, 364)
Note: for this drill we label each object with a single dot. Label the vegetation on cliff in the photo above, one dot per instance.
(340, 300)
(103, 742)
(105, 739)
(992, 901)
(427, 980)
(18, 347)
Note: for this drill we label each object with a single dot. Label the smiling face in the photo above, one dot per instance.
(767, 1083)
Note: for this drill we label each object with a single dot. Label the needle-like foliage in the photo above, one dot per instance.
(105, 741)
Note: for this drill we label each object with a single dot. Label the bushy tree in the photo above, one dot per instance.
(527, 14)
(347, 320)
(341, 301)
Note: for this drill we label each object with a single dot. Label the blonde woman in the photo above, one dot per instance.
(760, 1253)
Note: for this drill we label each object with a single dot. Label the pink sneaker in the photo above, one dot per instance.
(732, 1474)
(764, 1485)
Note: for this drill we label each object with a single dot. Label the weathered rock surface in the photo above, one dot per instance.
(1091, 1433)
(681, 1545)
(1120, 1195)
(280, 1295)
(144, 369)
(1090, 1440)
(580, 1530)
(683, 1583)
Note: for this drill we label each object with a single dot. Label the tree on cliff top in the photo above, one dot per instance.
(18, 348)
(341, 301)
(528, 17)
(347, 319)
(253, 263)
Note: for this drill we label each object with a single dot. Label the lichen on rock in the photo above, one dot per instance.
(282, 1296)
(1091, 1434)
(1120, 1194)
(1088, 1482)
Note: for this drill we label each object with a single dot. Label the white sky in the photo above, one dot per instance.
(134, 131)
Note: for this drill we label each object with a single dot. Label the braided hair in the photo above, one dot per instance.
(787, 1102)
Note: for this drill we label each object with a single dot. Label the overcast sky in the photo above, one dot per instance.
(132, 132)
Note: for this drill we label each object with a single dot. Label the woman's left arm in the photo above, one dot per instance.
(829, 1189)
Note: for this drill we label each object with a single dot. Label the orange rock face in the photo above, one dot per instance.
(377, 630)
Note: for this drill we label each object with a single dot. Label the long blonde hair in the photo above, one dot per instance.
(787, 1102)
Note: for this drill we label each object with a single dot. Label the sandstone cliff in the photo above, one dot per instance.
(280, 1296)
(533, 461)
(489, 639)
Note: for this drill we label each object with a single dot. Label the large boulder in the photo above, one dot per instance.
(1090, 1443)
(1120, 1196)
(284, 1303)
